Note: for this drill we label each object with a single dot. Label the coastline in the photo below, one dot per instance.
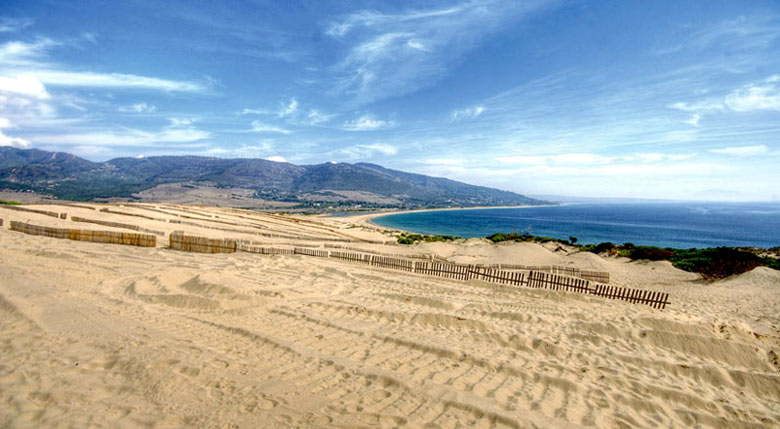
(367, 219)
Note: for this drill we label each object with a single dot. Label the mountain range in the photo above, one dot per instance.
(67, 176)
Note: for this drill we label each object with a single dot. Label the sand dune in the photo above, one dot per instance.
(99, 335)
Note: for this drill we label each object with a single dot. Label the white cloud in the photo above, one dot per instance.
(590, 159)
(694, 120)
(28, 59)
(260, 127)
(367, 123)
(759, 96)
(315, 117)
(395, 54)
(382, 148)
(6, 140)
(112, 80)
(179, 132)
(288, 109)
(699, 106)
(24, 85)
(182, 122)
(443, 161)
(742, 151)
(138, 108)
(468, 113)
(276, 158)
(11, 25)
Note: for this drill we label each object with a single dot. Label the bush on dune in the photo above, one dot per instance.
(406, 238)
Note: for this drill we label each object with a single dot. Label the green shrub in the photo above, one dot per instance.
(406, 238)
(650, 253)
(10, 203)
(603, 247)
(716, 263)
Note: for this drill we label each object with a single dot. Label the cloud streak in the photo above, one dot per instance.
(396, 54)
(367, 123)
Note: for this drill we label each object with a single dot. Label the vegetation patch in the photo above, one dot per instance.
(712, 263)
(407, 238)
(10, 203)
(500, 237)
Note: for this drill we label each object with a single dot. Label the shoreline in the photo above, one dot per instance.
(367, 219)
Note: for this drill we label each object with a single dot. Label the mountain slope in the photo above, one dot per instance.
(70, 177)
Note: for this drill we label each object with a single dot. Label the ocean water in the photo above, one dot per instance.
(681, 225)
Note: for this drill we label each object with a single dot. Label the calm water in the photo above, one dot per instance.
(681, 225)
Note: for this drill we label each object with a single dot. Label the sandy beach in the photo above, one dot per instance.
(105, 335)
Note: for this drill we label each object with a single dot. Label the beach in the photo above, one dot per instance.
(107, 335)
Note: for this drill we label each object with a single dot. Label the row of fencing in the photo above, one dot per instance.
(190, 243)
(116, 225)
(38, 211)
(426, 256)
(531, 278)
(594, 276)
(109, 237)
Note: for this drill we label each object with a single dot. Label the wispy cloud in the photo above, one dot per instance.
(694, 120)
(742, 151)
(385, 149)
(756, 96)
(394, 54)
(12, 25)
(138, 108)
(260, 127)
(289, 109)
(112, 80)
(367, 123)
(315, 117)
(467, 113)
(591, 159)
(30, 59)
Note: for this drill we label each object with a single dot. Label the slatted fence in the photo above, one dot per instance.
(267, 250)
(116, 225)
(117, 212)
(392, 263)
(110, 237)
(437, 269)
(311, 252)
(190, 243)
(532, 279)
(654, 299)
(493, 275)
(38, 211)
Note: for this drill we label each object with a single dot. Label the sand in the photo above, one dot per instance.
(99, 335)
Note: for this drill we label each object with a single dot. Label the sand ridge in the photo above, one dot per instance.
(116, 336)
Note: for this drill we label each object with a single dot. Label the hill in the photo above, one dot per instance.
(67, 176)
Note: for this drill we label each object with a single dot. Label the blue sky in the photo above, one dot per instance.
(661, 99)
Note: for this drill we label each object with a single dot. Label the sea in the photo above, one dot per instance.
(678, 224)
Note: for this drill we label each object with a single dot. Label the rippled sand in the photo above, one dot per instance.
(96, 335)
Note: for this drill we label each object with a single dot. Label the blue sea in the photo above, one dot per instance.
(680, 225)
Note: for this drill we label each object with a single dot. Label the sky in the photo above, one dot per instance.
(640, 99)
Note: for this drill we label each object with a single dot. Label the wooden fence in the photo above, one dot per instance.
(110, 237)
(595, 276)
(513, 277)
(311, 252)
(190, 243)
(117, 212)
(116, 225)
(29, 210)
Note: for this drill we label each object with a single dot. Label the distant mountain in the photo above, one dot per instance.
(70, 177)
